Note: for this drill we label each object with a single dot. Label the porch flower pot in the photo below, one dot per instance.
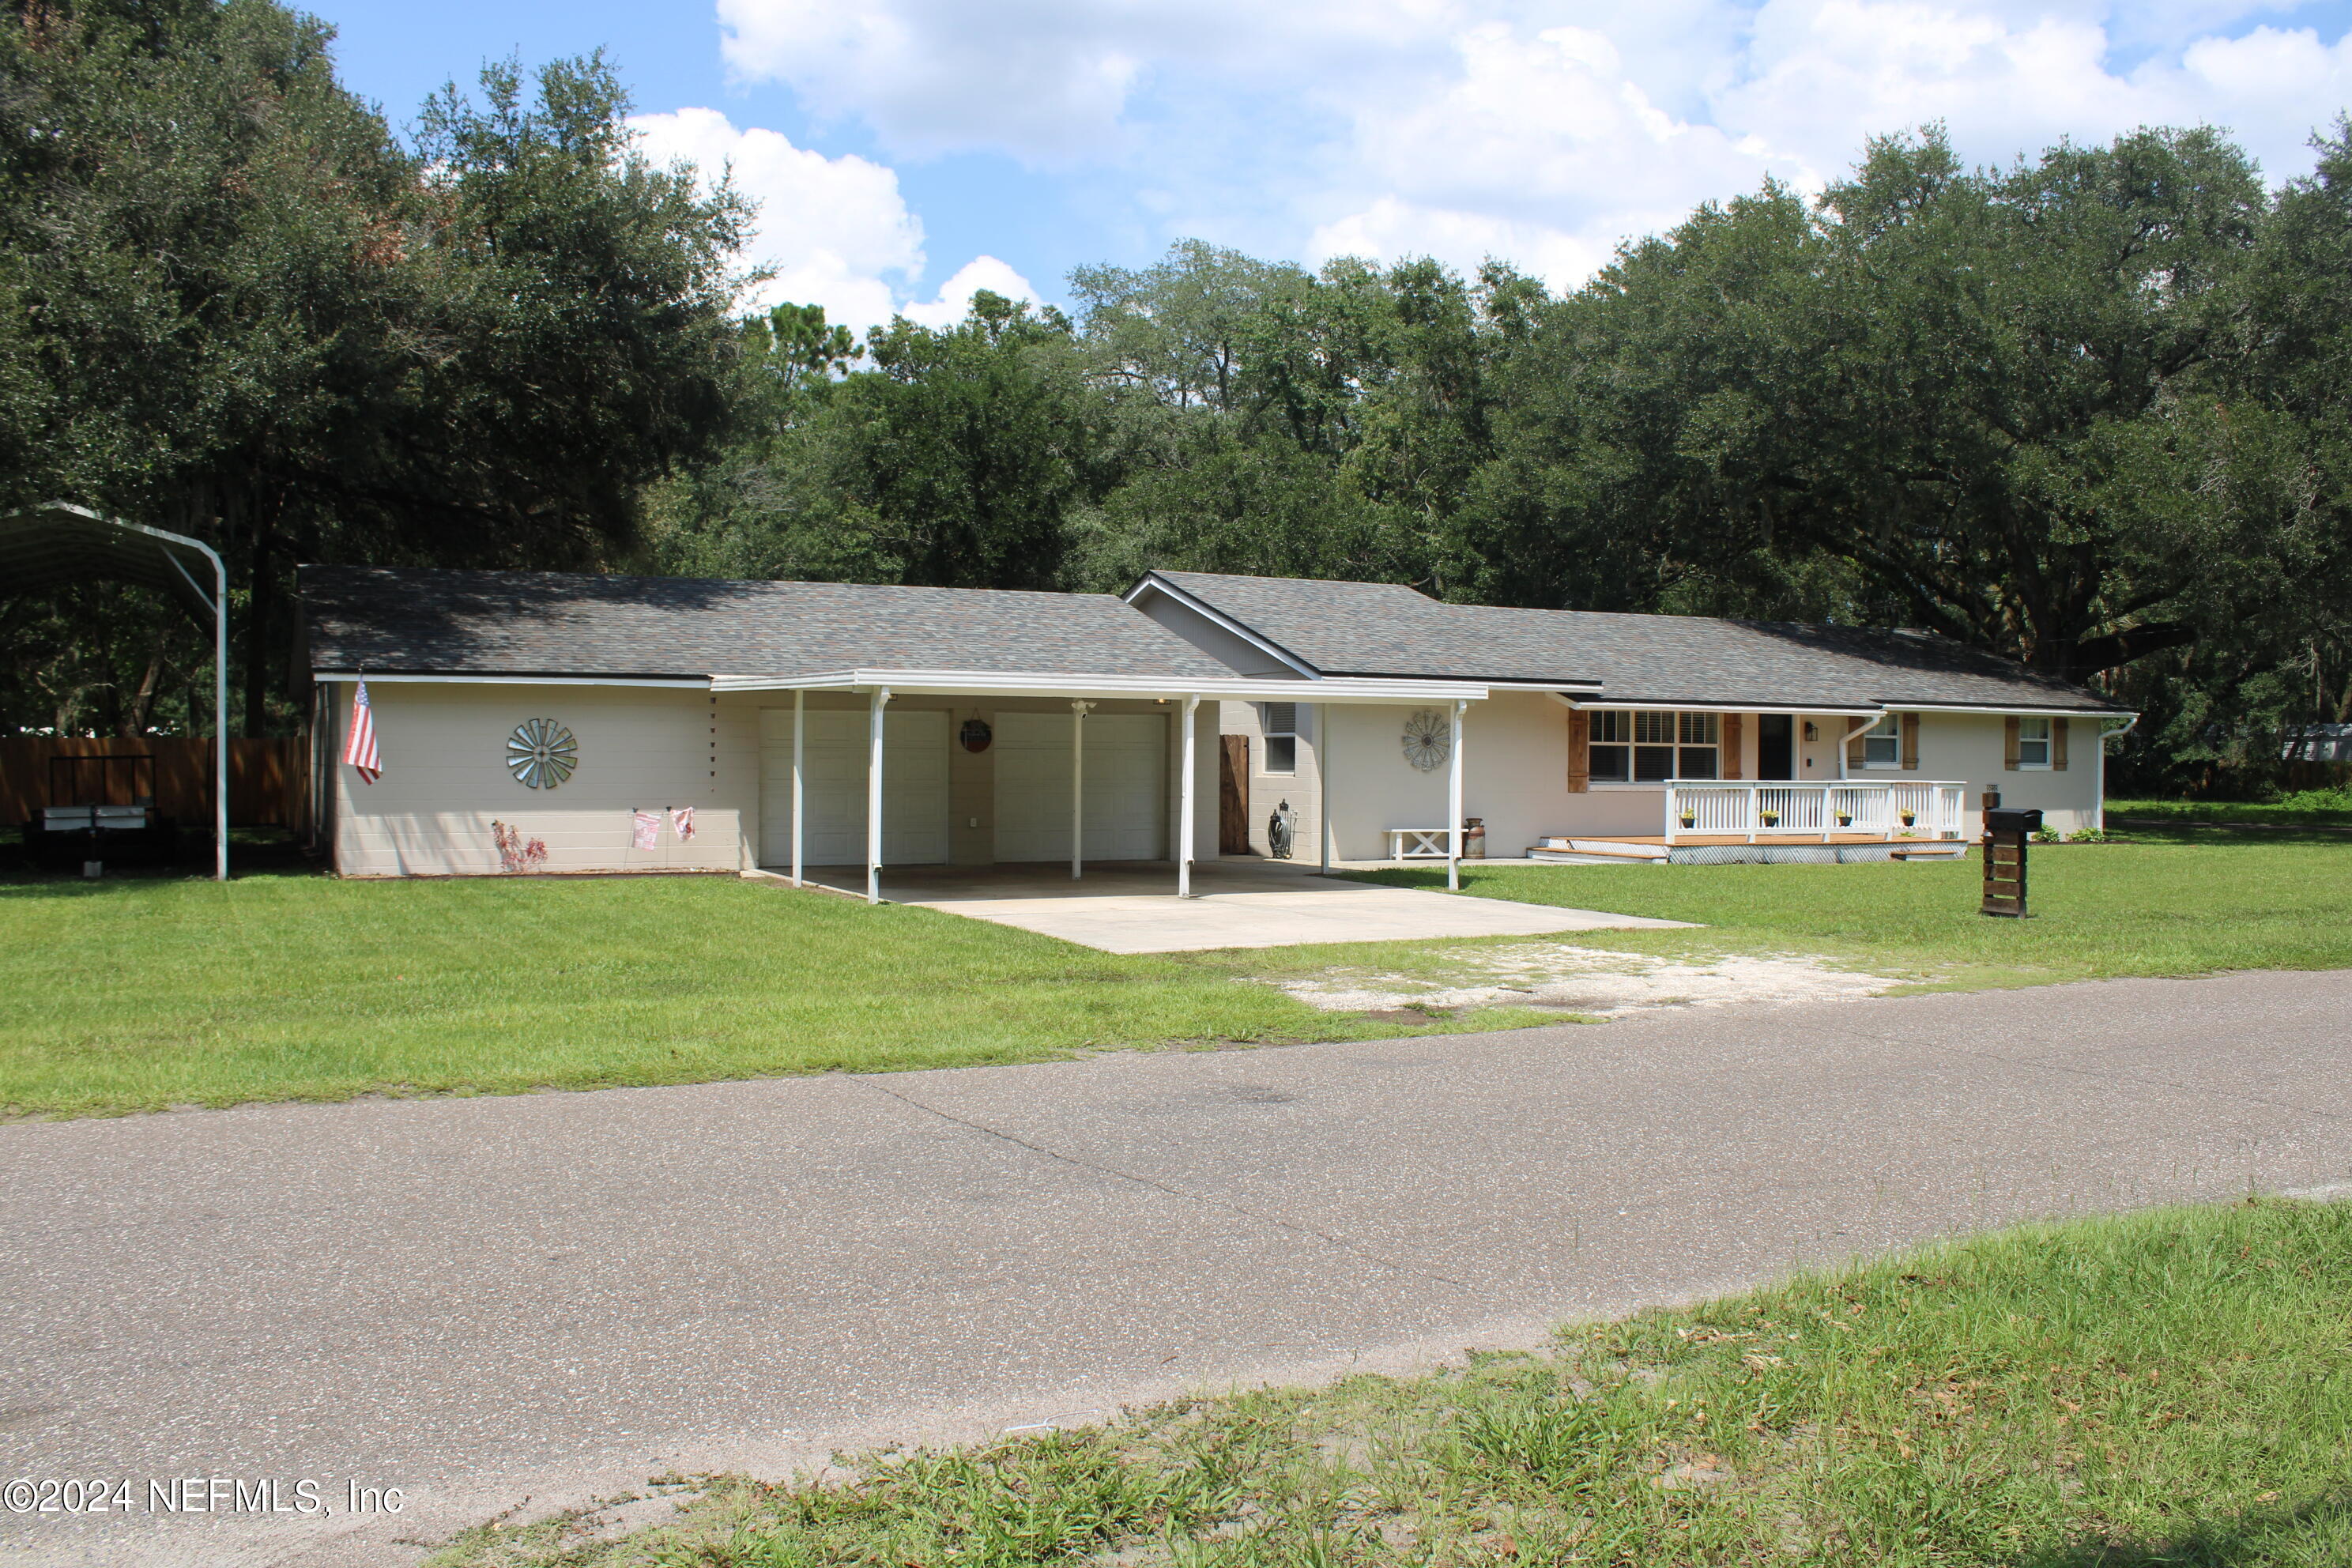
(1771, 818)
(1690, 819)
(1910, 819)
(1845, 819)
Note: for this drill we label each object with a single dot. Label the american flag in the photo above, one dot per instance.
(359, 751)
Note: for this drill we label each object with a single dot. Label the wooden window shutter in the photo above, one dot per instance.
(1911, 741)
(2008, 755)
(1731, 745)
(1580, 751)
(1856, 754)
(2058, 745)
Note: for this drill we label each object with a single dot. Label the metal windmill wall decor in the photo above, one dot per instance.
(541, 753)
(1428, 739)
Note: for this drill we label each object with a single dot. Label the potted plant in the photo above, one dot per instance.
(1770, 818)
(1845, 819)
(1690, 819)
(1910, 819)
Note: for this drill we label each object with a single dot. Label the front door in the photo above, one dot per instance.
(1775, 751)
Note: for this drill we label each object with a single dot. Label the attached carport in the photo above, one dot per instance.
(57, 544)
(1083, 694)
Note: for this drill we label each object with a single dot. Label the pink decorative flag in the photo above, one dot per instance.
(646, 829)
(359, 752)
(682, 819)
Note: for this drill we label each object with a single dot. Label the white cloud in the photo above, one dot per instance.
(954, 298)
(835, 232)
(1456, 127)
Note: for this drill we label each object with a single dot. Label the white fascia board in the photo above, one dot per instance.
(1816, 712)
(1218, 618)
(2001, 710)
(688, 683)
(1009, 683)
(1560, 688)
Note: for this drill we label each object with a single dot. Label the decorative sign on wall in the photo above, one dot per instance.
(975, 733)
(1428, 739)
(541, 753)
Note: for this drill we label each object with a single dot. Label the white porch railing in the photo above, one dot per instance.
(1765, 810)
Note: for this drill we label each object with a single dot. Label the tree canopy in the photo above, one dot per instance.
(242, 309)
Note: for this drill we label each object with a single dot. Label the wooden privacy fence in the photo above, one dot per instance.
(267, 779)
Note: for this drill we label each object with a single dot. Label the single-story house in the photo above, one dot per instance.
(605, 724)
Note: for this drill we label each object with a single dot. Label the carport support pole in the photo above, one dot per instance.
(1184, 810)
(873, 795)
(220, 719)
(799, 779)
(1323, 783)
(1453, 805)
(1077, 788)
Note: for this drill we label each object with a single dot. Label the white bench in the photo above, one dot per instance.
(1428, 843)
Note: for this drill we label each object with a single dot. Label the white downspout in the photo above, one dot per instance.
(800, 783)
(874, 796)
(220, 693)
(1184, 815)
(2105, 735)
(1453, 806)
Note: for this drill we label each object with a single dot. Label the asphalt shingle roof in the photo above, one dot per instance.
(1386, 628)
(426, 621)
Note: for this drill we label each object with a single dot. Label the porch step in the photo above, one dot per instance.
(1588, 850)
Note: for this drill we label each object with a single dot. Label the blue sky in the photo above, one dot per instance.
(907, 150)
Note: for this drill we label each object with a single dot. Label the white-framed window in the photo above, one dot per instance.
(2033, 742)
(1281, 720)
(1653, 745)
(1882, 743)
(1611, 751)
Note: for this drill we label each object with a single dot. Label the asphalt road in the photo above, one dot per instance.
(480, 1301)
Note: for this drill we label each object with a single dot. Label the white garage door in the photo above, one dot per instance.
(1127, 786)
(914, 787)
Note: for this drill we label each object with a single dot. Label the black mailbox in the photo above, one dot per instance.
(2012, 819)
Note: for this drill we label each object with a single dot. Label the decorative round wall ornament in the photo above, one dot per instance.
(1428, 739)
(976, 734)
(541, 753)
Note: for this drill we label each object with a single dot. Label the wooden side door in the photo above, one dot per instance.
(1232, 795)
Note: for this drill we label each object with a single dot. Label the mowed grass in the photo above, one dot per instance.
(2167, 1388)
(143, 993)
(2180, 902)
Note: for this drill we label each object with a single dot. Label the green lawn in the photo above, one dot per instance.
(2183, 901)
(2168, 1388)
(141, 993)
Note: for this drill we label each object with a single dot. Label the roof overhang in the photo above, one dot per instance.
(386, 678)
(1005, 683)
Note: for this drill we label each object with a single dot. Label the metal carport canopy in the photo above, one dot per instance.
(58, 543)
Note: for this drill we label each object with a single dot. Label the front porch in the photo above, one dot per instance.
(1718, 822)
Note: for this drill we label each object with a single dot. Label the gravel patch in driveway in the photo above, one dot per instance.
(1558, 976)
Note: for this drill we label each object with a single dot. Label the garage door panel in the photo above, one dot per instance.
(914, 787)
(1126, 767)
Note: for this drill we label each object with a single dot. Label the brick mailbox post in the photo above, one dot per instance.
(2005, 833)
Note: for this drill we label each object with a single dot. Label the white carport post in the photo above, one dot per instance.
(1453, 804)
(873, 795)
(800, 780)
(1184, 812)
(1323, 783)
(1077, 788)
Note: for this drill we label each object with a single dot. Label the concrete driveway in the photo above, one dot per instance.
(1132, 907)
(481, 1300)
